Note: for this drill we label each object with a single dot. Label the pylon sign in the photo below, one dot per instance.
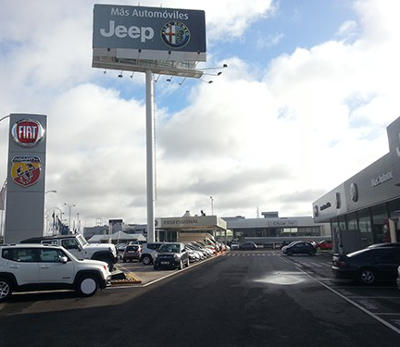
(25, 177)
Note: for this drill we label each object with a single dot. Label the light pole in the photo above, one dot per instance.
(212, 205)
(70, 206)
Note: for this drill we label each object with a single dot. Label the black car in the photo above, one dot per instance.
(248, 246)
(368, 265)
(172, 255)
(299, 247)
(385, 244)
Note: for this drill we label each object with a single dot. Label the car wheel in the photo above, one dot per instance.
(156, 267)
(87, 285)
(146, 260)
(367, 276)
(123, 260)
(5, 289)
(289, 253)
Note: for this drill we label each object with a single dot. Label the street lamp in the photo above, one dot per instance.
(70, 206)
(212, 205)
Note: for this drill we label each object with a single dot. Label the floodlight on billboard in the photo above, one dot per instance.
(136, 38)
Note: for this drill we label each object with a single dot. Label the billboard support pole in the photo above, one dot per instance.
(150, 155)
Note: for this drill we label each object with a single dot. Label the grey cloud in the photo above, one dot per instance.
(308, 195)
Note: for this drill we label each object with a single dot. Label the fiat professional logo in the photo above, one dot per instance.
(27, 132)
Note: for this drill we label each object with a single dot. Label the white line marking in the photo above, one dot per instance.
(375, 297)
(380, 320)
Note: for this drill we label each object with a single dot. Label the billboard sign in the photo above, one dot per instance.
(149, 28)
(25, 177)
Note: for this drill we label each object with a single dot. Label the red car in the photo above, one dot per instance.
(326, 244)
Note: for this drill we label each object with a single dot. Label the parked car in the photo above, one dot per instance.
(149, 252)
(286, 243)
(398, 277)
(172, 255)
(324, 245)
(80, 248)
(234, 246)
(43, 267)
(368, 265)
(132, 252)
(299, 247)
(248, 246)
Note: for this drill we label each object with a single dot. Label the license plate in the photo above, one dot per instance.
(165, 263)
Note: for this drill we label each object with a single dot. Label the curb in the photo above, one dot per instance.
(131, 278)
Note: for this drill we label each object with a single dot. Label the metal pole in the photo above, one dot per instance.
(150, 156)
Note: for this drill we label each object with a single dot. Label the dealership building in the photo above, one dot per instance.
(365, 209)
(271, 228)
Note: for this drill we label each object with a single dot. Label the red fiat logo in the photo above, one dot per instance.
(27, 132)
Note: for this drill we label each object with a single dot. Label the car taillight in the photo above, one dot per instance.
(105, 267)
(340, 263)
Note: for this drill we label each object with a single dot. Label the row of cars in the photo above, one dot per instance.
(377, 262)
(171, 254)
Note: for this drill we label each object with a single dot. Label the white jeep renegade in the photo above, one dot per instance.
(25, 267)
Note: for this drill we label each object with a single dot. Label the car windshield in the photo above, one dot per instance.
(170, 248)
(82, 240)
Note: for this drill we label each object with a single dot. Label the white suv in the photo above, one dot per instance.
(80, 248)
(42, 267)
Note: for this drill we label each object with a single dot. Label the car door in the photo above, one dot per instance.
(386, 261)
(22, 262)
(51, 270)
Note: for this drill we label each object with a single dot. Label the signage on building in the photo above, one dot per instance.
(25, 170)
(325, 206)
(354, 192)
(376, 181)
(27, 132)
(26, 177)
(150, 29)
(316, 211)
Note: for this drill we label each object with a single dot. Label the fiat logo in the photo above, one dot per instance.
(27, 132)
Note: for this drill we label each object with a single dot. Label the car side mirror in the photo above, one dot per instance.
(63, 259)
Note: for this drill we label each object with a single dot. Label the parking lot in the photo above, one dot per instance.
(380, 301)
(146, 273)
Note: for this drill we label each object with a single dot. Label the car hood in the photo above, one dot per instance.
(93, 262)
(101, 246)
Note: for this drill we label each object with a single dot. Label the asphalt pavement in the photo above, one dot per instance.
(244, 298)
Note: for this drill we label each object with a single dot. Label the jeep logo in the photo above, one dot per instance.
(134, 32)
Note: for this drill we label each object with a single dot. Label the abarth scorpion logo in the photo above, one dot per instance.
(25, 170)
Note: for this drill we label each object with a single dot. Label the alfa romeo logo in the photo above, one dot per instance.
(27, 132)
(25, 170)
(175, 34)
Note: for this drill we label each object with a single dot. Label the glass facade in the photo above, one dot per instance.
(380, 223)
(364, 224)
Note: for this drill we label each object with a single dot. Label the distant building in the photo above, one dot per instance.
(272, 227)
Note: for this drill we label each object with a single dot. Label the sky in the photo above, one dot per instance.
(304, 104)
